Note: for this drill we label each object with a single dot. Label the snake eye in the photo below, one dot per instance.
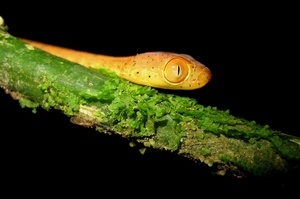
(176, 70)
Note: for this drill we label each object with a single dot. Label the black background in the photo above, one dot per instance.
(251, 50)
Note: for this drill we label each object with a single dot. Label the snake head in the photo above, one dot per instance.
(166, 70)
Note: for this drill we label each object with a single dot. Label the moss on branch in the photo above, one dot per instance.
(142, 114)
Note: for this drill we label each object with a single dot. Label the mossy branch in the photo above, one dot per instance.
(142, 114)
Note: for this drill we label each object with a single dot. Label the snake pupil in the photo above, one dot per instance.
(178, 70)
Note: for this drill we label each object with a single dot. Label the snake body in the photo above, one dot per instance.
(164, 70)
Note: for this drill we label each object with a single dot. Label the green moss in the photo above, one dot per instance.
(28, 103)
(253, 159)
(142, 114)
(205, 151)
(286, 148)
(142, 150)
(59, 98)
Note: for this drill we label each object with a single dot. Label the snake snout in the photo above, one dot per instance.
(204, 76)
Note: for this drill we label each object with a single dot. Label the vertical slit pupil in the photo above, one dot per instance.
(178, 70)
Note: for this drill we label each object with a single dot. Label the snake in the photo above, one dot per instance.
(158, 69)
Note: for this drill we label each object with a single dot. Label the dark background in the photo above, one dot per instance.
(251, 49)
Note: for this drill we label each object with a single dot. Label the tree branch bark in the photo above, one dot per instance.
(142, 114)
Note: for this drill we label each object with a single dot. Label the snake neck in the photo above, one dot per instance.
(86, 59)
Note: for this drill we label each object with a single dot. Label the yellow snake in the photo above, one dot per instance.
(164, 70)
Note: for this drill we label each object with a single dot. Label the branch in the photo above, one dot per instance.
(141, 114)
